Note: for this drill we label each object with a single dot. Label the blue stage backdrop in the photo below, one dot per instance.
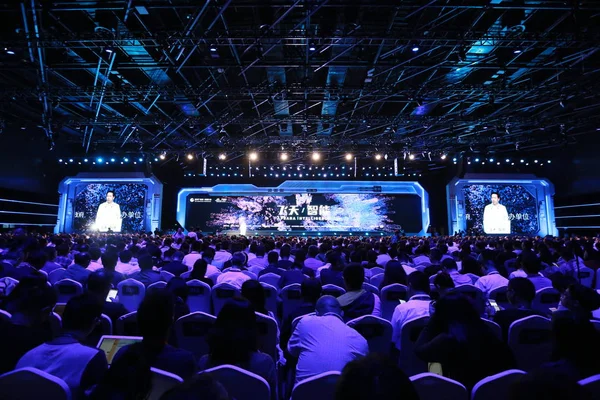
(306, 206)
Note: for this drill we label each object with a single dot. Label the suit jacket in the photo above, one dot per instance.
(290, 277)
(270, 269)
(176, 268)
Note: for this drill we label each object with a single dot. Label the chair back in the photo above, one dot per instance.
(496, 387)
(127, 325)
(376, 280)
(167, 276)
(31, 383)
(156, 286)
(510, 265)
(191, 332)
(270, 278)
(432, 386)
(220, 294)
(241, 384)
(586, 276)
(267, 335)
(66, 289)
(390, 298)
(377, 271)
(377, 331)
(106, 325)
(55, 322)
(56, 275)
(318, 387)
(5, 316)
(596, 324)
(252, 275)
(545, 299)
(270, 297)
(479, 299)
(592, 386)
(332, 290)
(291, 299)
(409, 334)
(370, 288)
(499, 296)
(198, 296)
(494, 328)
(162, 382)
(131, 293)
(530, 339)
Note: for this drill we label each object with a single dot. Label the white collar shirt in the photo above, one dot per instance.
(490, 282)
(417, 306)
(221, 257)
(234, 277)
(383, 259)
(460, 279)
(191, 258)
(126, 268)
(313, 263)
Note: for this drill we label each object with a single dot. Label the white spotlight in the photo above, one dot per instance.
(283, 156)
(253, 156)
(348, 157)
(443, 157)
(162, 156)
(378, 157)
(411, 156)
(222, 156)
(190, 156)
(316, 156)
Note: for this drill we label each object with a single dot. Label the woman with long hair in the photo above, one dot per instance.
(394, 273)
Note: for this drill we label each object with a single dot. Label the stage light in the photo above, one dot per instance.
(517, 51)
(535, 161)
(443, 156)
(507, 160)
(378, 157)
(491, 160)
(253, 156)
(60, 160)
(415, 49)
(190, 156)
(222, 156)
(9, 51)
(283, 156)
(112, 160)
(316, 156)
(162, 156)
(109, 49)
(477, 160)
(549, 162)
(99, 159)
(213, 48)
(411, 156)
(85, 160)
(522, 161)
(156, 159)
(312, 46)
(140, 159)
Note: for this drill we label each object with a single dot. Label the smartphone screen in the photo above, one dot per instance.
(495, 305)
(112, 294)
(402, 301)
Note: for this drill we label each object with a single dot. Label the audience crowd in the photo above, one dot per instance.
(454, 285)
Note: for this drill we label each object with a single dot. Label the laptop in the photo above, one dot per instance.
(111, 344)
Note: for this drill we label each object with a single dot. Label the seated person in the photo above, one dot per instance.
(532, 266)
(333, 275)
(155, 318)
(234, 275)
(520, 295)
(146, 275)
(30, 304)
(176, 267)
(51, 264)
(443, 283)
(271, 268)
(99, 284)
(81, 367)
(418, 305)
(125, 265)
(357, 302)
(449, 266)
(178, 288)
(199, 272)
(233, 340)
(311, 291)
(109, 262)
(492, 280)
(78, 270)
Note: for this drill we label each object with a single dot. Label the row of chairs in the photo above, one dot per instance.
(31, 383)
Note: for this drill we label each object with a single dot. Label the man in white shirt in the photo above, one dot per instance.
(222, 255)
(491, 281)
(323, 342)
(108, 216)
(125, 266)
(495, 217)
(383, 256)
(311, 260)
(195, 255)
(234, 275)
(259, 262)
(451, 268)
(416, 306)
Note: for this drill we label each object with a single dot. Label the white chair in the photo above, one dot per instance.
(409, 334)
(545, 299)
(31, 383)
(479, 299)
(131, 293)
(592, 386)
(377, 331)
(198, 296)
(390, 298)
(241, 384)
(332, 290)
(213, 277)
(191, 332)
(7, 285)
(586, 275)
(370, 288)
(167, 276)
(530, 339)
(220, 294)
(267, 335)
(596, 324)
(252, 275)
(494, 328)
(156, 286)
(291, 299)
(5, 316)
(499, 296)
(162, 382)
(106, 325)
(185, 275)
(496, 387)
(56, 275)
(271, 279)
(435, 387)
(66, 289)
(127, 325)
(270, 297)
(318, 387)
(55, 322)
(376, 280)
(377, 271)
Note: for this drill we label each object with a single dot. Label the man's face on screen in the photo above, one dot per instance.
(495, 199)
(109, 197)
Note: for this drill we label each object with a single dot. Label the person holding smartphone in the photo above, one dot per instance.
(520, 294)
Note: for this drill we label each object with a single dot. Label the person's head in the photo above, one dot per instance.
(394, 273)
(110, 196)
(208, 253)
(177, 256)
(285, 251)
(449, 265)
(199, 270)
(548, 385)
(260, 251)
(354, 276)
(81, 315)
(125, 256)
(62, 250)
(580, 299)
(495, 198)
(443, 282)
(178, 288)
(37, 259)
(418, 283)
(145, 262)
(374, 377)
(521, 291)
(109, 261)
(234, 335)
(155, 315)
(435, 256)
(328, 305)
(82, 259)
(530, 263)
(32, 298)
(197, 246)
(95, 253)
(471, 266)
(50, 253)
(253, 291)
(313, 251)
(273, 257)
(238, 259)
(99, 283)
(311, 290)
(455, 309)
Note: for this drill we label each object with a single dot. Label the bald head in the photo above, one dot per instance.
(328, 304)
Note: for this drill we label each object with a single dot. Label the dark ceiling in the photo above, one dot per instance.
(330, 75)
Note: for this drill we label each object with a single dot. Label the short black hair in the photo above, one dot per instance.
(95, 253)
(417, 280)
(443, 280)
(82, 259)
(31, 295)
(155, 314)
(523, 288)
(272, 257)
(495, 193)
(113, 193)
(354, 276)
(81, 312)
(99, 283)
(145, 262)
(311, 289)
(109, 260)
(125, 256)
